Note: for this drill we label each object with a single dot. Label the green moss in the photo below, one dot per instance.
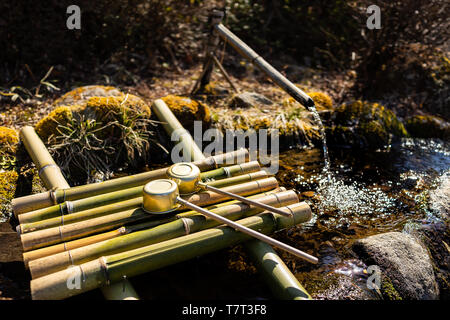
(369, 125)
(427, 126)
(388, 291)
(8, 180)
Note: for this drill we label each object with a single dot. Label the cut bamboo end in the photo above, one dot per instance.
(69, 282)
(31, 202)
(70, 245)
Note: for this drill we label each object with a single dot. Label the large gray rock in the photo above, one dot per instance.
(249, 99)
(403, 260)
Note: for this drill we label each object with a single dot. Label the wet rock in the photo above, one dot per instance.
(364, 125)
(427, 126)
(188, 110)
(249, 99)
(403, 260)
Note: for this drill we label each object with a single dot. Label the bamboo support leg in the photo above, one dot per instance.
(52, 177)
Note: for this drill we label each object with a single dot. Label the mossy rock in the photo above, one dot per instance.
(48, 125)
(8, 180)
(321, 100)
(364, 125)
(427, 126)
(9, 139)
(118, 108)
(214, 91)
(188, 110)
(388, 290)
(82, 94)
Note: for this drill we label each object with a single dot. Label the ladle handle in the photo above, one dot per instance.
(249, 231)
(245, 200)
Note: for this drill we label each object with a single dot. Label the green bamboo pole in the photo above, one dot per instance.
(80, 215)
(53, 178)
(182, 226)
(100, 272)
(49, 172)
(283, 284)
(50, 236)
(64, 193)
(70, 245)
(69, 208)
(174, 127)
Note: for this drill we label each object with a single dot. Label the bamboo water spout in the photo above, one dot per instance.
(64, 193)
(100, 272)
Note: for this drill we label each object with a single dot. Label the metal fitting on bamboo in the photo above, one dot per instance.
(70, 245)
(64, 193)
(63, 219)
(99, 272)
(50, 236)
(49, 172)
(180, 227)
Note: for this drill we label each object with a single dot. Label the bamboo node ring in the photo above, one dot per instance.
(47, 166)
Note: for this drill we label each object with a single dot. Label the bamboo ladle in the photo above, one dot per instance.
(187, 176)
(162, 196)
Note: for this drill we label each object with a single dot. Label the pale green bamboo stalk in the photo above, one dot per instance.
(64, 193)
(69, 208)
(49, 172)
(70, 245)
(64, 219)
(182, 226)
(51, 236)
(100, 272)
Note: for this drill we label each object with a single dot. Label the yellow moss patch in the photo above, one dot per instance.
(8, 180)
(188, 110)
(322, 100)
(47, 126)
(8, 139)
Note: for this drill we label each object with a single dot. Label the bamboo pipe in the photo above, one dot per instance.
(50, 236)
(174, 127)
(42, 200)
(52, 177)
(85, 214)
(180, 227)
(248, 53)
(112, 268)
(49, 172)
(69, 245)
(71, 207)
